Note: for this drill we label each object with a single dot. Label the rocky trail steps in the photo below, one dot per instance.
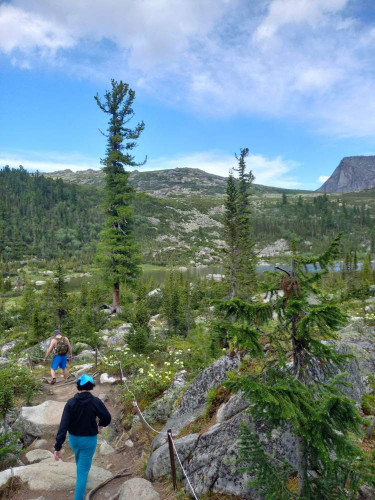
(43, 478)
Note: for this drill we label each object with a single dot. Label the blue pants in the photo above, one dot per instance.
(84, 448)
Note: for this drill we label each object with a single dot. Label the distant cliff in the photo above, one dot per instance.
(354, 173)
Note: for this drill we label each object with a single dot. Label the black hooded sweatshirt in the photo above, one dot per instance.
(79, 417)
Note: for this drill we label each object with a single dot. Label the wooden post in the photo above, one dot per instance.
(143, 422)
(120, 371)
(171, 456)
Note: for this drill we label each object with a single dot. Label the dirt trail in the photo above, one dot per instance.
(133, 459)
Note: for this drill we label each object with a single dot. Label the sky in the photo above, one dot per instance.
(292, 80)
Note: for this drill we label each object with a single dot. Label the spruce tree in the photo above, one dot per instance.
(239, 255)
(60, 296)
(231, 234)
(118, 254)
(177, 303)
(28, 302)
(366, 271)
(290, 391)
(246, 273)
(38, 328)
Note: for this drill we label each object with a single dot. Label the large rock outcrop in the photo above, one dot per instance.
(194, 400)
(41, 420)
(210, 458)
(161, 409)
(354, 173)
(53, 476)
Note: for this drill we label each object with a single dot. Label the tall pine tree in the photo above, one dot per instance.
(118, 254)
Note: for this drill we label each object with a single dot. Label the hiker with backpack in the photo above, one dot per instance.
(62, 352)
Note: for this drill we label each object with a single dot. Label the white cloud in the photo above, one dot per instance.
(323, 178)
(311, 60)
(147, 33)
(286, 12)
(268, 171)
(48, 162)
(26, 31)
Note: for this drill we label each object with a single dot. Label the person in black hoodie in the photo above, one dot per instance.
(79, 420)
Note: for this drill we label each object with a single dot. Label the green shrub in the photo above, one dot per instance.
(215, 398)
(198, 353)
(6, 400)
(8, 445)
(368, 404)
(20, 381)
(368, 400)
(139, 339)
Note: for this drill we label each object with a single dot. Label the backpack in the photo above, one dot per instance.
(61, 347)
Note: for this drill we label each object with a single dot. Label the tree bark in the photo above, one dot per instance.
(298, 370)
(116, 298)
(370, 429)
(301, 464)
(234, 290)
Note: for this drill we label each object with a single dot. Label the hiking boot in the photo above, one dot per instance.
(53, 381)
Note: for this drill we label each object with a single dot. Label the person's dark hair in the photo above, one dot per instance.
(89, 386)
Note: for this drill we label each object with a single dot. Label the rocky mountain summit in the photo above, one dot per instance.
(164, 183)
(354, 173)
(158, 182)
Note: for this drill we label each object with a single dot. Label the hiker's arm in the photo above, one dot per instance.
(49, 350)
(63, 428)
(69, 348)
(103, 414)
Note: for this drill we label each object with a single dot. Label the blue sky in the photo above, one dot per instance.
(292, 80)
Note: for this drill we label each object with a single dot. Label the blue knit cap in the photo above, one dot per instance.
(83, 379)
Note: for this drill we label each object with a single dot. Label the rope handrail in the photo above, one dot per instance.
(135, 404)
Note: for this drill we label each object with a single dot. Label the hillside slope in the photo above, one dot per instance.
(46, 218)
(49, 218)
(354, 173)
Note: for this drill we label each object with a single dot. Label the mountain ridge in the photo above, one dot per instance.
(166, 182)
